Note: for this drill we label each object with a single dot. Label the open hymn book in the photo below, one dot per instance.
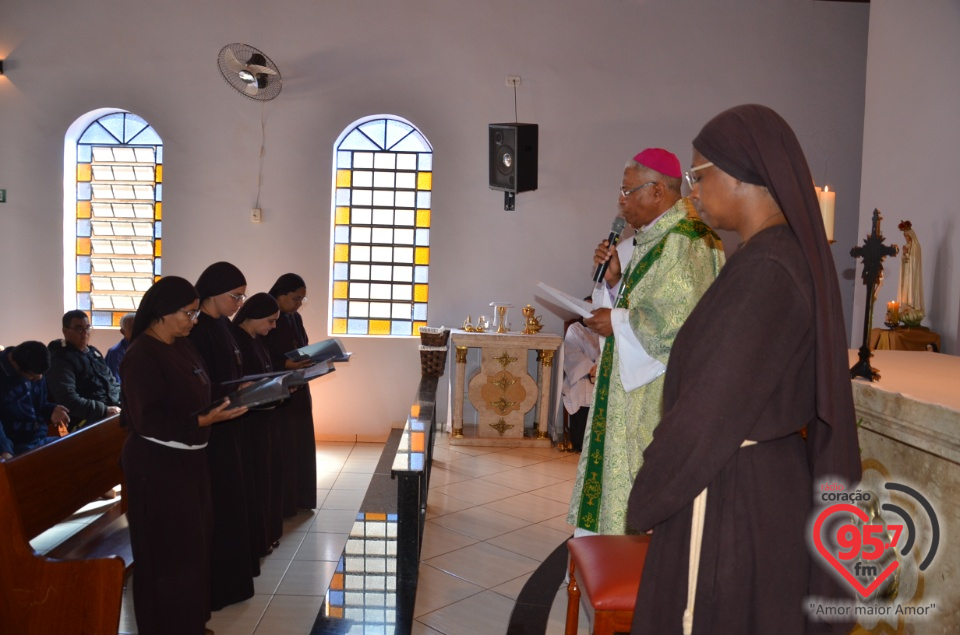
(267, 388)
(331, 349)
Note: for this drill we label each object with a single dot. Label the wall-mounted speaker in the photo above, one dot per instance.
(513, 156)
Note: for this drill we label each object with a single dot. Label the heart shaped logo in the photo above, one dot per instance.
(864, 591)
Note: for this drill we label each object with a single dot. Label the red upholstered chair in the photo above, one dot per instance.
(605, 571)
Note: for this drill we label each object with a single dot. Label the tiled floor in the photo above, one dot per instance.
(493, 515)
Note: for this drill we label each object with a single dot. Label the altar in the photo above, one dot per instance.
(910, 434)
(502, 390)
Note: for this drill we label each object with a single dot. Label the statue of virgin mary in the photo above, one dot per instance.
(910, 291)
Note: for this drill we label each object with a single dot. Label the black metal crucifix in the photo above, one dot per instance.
(873, 252)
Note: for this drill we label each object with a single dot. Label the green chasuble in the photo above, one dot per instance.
(673, 263)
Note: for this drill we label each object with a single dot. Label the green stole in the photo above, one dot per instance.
(589, 513)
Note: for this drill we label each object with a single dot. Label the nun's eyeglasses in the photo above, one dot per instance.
(238, 298)
(690, 175)
(192, 314)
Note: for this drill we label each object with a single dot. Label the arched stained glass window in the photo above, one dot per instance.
(383, 178)
(113, 205)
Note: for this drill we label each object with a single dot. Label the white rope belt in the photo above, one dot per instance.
(696, 542)
(175, 444)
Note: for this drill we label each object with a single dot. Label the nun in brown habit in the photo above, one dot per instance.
(234, 564)
(762, 357)
(299, 442)
(261, 441)
(167, 484)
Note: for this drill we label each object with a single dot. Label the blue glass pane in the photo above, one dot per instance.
(343, 197)
(147, 136)
(84, 154)
(420, 275)
(101, 318)
(83, 228)
(159, 192)
(83, 301)
(156, 267)
(132, 128)
(341, 234)
(340, 271)
(416, 461)
(83, 264)
(425, 162)
(423, 200)
(377, 131)
(419, 311)
(159, 155)
(97, 134)
(357, 141)
(336, 598)
(114, 124)
(401, 328)
(357, 327)
(343, 159)
(413, 143)
(157, 229)
(396, 131)
(423, 237)
(339, 308)
(84, 191)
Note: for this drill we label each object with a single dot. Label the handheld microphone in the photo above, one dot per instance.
(618, 225)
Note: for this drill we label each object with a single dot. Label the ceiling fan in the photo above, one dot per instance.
(249, 71)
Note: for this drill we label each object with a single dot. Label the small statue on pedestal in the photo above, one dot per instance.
(910, 290)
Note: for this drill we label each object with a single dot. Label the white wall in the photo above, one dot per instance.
(603, 79)
(910, 144)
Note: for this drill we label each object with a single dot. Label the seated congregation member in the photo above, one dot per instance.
(116, 352)
(79, 377)
(25, 411)
(221, 288)
(299, 442)
(262, 457)
(165, 385)
(728, 482)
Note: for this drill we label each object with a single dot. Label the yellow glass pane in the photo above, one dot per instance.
(343, 216)
(83, 209)
(159, 174)
(341, 253)
(340, 290)
(83, 172)
(157, 248)
(373, 516)
(425, 181)
(156, 278)
(83, 246)
(379, 327)
(416, 442)
(337, 582)
(417, 325)
(117, 315)
(343, 178)
(158, 211)
(419, 293)
(423, 218)
(422, 256)
(339, 325)
(336, 611)
(83, 283)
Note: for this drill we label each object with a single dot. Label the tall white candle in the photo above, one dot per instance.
(828, 202)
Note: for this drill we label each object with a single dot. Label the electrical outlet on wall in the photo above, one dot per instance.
(256, 215)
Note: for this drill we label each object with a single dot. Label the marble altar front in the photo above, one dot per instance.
(910, 434)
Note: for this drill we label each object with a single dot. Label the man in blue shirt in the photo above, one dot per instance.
(24, 409)
(117, 351)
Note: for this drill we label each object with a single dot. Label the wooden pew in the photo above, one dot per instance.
(78, 586)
